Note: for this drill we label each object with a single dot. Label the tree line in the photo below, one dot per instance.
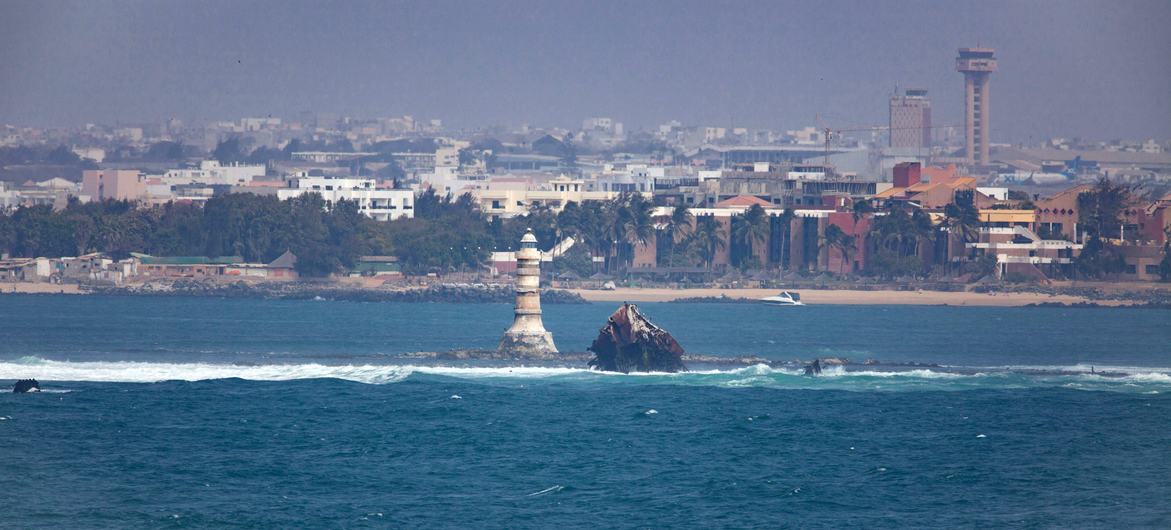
(451, 233)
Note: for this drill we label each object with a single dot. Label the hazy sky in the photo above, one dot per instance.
(1098, 69)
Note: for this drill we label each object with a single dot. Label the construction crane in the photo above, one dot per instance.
(828, 132)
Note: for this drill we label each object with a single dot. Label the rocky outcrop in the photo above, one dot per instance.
(26, 385)
(629, 342)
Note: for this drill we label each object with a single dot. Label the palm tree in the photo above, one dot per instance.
(679, 226)
(836, 238)
(752, 229)
(786, 221)
(635, 223)
(709, 239)
(895, 238)
(592, 222)
(962, 218)
(861, 208)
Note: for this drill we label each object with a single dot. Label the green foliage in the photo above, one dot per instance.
(64, 156)
(230, 151)
(708, 239)
(164, 151)
(1100, 209)
(671, 239)
(259, 228)
(1099, 258)
(894, 241)
(1019, 277)
(42, 154)
(838, 239)
(577, 260)
(1164, 264)
(982, 266)
(748, 231)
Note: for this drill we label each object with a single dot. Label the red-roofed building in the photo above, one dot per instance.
(744, 201)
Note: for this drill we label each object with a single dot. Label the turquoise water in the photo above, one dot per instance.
(172, 412)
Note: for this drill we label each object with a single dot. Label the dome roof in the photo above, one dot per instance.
(528, 237)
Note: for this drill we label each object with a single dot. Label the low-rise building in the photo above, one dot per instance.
(503, 198)
(115, 184)
(380, 204)
(185, 266)
(282, 268)
(212, 172)
(1009, 236)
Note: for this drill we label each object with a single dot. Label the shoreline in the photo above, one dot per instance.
(846, 297)
(810, 296)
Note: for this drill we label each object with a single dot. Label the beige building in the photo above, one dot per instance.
(910, 120)
(511, 197)
(115, 184)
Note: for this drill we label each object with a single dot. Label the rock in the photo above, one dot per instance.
(26, 385)
(629, 342)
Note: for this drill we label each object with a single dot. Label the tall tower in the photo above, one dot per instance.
(527, 336)
(910, 120)
(977, 65)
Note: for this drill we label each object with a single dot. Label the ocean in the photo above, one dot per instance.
(193, 412)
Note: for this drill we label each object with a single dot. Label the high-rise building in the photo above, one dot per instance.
(977, 65)
(910, 120)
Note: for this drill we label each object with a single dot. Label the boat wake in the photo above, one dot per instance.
(1104, 378)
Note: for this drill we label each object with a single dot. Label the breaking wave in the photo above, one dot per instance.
(1120, 379)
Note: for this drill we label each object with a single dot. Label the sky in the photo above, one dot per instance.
(1074, 68)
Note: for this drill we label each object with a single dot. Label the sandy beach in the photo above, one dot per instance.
(809, 296)
(841, 297)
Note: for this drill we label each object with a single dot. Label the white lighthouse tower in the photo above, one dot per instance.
(527, 336)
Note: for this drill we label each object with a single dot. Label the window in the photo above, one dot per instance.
(1152, 269)
(496, 204)
(1130, 269)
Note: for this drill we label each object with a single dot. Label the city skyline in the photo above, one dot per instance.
(750, 65)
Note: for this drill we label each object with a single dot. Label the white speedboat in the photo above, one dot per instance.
(785, 298)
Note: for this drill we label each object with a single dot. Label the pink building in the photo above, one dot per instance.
(116, 184)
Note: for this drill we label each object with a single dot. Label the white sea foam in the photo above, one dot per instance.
(550, 489)
(750, 376)
(150, 372)
(1150, 377)
(918, 373)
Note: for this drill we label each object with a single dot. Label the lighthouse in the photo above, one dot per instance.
(527, 336)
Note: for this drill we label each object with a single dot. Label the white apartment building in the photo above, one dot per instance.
(212, 172)
(375, 203)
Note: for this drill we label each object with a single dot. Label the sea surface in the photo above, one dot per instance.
(194, 412)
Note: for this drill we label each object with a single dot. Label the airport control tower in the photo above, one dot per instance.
(527, 336)
(977, 65)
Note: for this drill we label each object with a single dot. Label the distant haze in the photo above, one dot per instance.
(1096, 69)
